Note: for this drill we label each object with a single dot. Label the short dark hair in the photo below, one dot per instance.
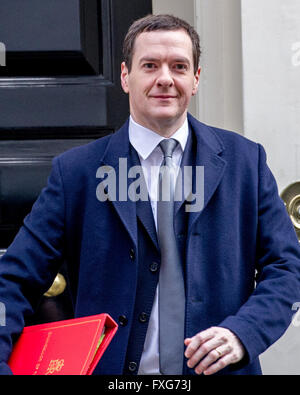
(152, 23)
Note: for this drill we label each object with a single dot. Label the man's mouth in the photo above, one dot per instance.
(163, 97)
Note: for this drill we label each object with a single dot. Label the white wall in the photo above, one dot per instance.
(271, 34)
(221, 90)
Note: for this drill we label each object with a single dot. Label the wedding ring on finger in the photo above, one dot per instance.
(219, 352)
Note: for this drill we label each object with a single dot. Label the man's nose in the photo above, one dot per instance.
(165, 77)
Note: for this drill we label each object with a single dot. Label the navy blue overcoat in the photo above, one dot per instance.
(242, 254)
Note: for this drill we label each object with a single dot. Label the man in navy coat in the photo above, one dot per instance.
(239, 252)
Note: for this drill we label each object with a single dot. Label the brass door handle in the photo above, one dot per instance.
(58, 286)
(291, 198)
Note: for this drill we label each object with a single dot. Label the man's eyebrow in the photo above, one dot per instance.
(182, 60)
(148, 59)
(154, 59)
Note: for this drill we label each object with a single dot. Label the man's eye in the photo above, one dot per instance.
(181, 67)
(149, 65)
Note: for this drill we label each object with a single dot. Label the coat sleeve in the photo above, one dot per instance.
(268, 312)
(31, 262)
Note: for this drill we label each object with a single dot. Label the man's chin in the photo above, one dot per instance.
(166, 115)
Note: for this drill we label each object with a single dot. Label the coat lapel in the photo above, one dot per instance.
(184, 186)
(119, 157)
(116, 153)
(143, 208)
(208, 151)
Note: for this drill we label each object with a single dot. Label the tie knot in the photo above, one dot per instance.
(168, 146)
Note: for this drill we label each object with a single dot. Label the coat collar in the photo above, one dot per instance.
(208, 143)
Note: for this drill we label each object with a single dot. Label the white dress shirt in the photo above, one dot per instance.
(145, 142)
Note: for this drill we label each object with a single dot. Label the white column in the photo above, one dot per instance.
(271, 58)
(221, 89)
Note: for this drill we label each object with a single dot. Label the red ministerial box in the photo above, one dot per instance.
(70, 347)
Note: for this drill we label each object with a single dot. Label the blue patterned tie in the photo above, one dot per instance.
(171, 283)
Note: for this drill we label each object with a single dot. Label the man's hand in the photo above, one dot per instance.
(212, 350)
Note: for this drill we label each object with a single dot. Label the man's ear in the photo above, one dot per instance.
(124, 77)
(196, 81)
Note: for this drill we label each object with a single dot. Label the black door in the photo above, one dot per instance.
(59, 88)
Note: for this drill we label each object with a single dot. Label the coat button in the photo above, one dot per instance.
(143, 317)
(123, 320)
(132, 254)
(154, 267)
(132, 366)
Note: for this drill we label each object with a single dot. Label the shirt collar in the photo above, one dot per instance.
(145, 140)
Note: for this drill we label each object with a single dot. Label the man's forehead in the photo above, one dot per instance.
(164, 35)
(171, 39)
